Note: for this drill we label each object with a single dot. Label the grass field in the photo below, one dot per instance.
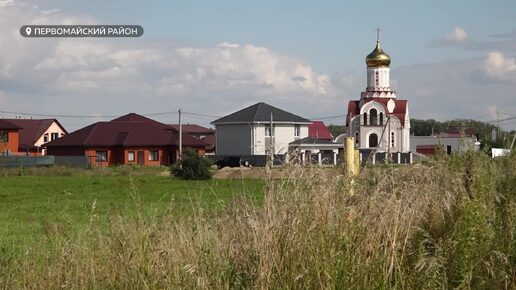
(48, 200)
(447, 224)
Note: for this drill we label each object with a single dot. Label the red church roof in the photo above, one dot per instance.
(400, 110)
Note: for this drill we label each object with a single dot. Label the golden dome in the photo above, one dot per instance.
(378, 58)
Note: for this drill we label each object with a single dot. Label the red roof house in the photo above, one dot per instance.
(9, 137)
(130, 139)
(317, 130)
(34, 133)
(205, 134)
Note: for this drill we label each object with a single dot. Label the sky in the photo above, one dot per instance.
(450, 59)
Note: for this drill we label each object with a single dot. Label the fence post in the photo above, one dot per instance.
(351, 169)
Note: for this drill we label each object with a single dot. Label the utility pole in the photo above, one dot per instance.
(389, 138)
(498, 136)
(180, 137)
(271, 149)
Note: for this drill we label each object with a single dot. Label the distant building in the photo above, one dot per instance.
(445, 143)
(9, 137)
(130, 139)
(258, 129)
(207, 135)
(315, 151)
(34, 133)
(379, 120)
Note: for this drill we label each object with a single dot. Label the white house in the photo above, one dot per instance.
(248, 131)
(379, 120)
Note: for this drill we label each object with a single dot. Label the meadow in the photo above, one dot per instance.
(448, 224)
(35, 202)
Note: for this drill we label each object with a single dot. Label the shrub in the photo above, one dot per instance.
(192, 166)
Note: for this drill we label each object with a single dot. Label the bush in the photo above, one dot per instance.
(192, 166)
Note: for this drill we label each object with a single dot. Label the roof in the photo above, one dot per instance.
(133, 117)
(261, 112)
(318, 130)
(400, 110)
(31, 130)
(192, 129)
(128, 130)
(211, 140)
(8, 125)
(309, 140)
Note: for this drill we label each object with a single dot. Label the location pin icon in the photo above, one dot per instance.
(28, 30)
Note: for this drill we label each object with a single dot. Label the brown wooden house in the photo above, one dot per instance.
(130, 139)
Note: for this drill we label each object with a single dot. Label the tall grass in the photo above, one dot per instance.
(448, 225)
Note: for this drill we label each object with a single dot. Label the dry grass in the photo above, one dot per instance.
(449, 225)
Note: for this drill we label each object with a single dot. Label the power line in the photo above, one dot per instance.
(79, 116)
(328, 117)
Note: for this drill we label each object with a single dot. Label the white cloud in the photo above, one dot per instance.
(457, 36)
(56, 75)
(110, 77)
(500, 68)
(5, 3)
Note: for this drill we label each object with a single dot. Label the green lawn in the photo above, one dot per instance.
(35, 204)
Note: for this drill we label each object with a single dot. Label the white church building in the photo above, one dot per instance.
(379, 120)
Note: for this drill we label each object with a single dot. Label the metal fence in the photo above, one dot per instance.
(253, 160)
(38, 161)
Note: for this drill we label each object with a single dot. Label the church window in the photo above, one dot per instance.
(373, 140)
(377, 78)
(373, 116)
(365, 119)
(357, 141)
(392, 139)
(381, 118)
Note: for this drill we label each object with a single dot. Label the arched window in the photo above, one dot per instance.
(357, 141)
(377, 78)
(365, 119)
(373, 140)
(373, 116)
(381, 118)
(392, 139)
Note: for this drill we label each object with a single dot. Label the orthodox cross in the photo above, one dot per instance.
(378, 34)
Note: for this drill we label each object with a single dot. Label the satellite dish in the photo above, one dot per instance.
(390, 106)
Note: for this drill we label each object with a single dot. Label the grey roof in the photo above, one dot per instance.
(308, 140)
(261, 112)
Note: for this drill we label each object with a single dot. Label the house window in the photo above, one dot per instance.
(130, 156)
(392, 139)
(45, 138)
(54, 136)
(297, 130)
(4, 137)
(153, 155)
(101, 156)
(268, 131)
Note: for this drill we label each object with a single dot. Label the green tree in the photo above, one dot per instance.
(192, 166)
(336, 130)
